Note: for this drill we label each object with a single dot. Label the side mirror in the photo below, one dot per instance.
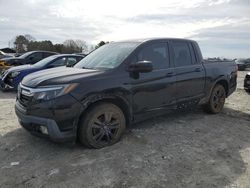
(141, 67)
(70, 63)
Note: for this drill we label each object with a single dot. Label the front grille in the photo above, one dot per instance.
(24, 100)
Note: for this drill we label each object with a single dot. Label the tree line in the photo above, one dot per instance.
(24, 43)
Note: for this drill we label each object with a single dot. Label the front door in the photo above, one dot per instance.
(155, 90)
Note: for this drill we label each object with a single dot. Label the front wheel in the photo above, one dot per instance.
(102, 125)
(216, 101)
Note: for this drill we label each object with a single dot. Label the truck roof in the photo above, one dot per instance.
(154, 39)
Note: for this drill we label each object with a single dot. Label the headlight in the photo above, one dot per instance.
(48, 93)
(14, 74)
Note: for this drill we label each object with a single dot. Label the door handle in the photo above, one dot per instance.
(170, 74)
(198, 70)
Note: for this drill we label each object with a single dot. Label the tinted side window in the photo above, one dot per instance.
(182, 56)
(157, 54)
(59, 62)
(46, 54)
(35, 57)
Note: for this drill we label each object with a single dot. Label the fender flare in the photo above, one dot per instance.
(116, 97)
(220, 79)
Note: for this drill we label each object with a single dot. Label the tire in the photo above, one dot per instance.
(216, 101)
(102, 125)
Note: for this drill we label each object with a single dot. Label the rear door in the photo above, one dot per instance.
(190, 74)
(153, 91)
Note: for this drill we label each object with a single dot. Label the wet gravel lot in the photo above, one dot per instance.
(185, 149)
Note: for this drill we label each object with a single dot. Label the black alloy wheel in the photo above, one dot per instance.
(102, 126)
(217, 100)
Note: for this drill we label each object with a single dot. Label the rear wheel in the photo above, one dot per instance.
(216, 101)
(102, 125)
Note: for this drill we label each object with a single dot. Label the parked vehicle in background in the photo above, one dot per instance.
(82, 54)
(28, 58)
(4, 55)
(13, 76)
(118, 84)
(247, 82)
(243, 64)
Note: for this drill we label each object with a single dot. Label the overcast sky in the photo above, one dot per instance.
(222, 27)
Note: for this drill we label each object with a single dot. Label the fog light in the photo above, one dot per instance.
(44, 130)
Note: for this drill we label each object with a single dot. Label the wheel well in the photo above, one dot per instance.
(116, 101)
(224, 84)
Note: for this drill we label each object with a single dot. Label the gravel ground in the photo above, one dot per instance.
(185, 149)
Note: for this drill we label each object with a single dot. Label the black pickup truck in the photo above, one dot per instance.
(118, 84)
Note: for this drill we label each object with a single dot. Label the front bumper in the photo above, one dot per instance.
(33, 125)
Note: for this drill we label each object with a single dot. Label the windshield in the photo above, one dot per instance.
(108, 56)
(45, 61)
(26, 54)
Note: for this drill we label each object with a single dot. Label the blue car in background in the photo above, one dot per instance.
(10, 78)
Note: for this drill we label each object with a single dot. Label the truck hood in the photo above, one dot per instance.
(57, 76)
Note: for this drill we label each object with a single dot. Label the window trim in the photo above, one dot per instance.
(193, 57)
